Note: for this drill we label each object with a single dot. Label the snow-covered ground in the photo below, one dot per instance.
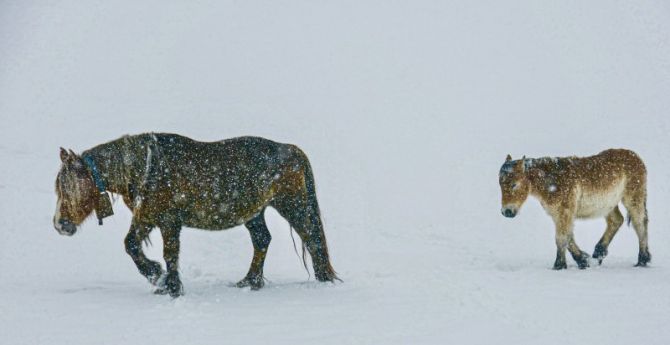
(406, 109)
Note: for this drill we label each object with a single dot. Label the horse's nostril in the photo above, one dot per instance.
(66, 226)
(509, 213)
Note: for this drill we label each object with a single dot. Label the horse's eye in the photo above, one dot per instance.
(515, 186)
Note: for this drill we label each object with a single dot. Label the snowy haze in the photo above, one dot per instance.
(406, 109)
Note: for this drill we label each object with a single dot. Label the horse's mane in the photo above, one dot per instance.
(124, 160)
(529, 163)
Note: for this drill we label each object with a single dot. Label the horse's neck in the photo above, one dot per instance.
(536, 171)
(116, 161)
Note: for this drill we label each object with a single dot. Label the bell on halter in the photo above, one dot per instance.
(103, 208)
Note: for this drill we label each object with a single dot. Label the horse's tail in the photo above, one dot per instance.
(314, 217)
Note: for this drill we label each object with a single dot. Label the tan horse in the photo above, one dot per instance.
(577, 188)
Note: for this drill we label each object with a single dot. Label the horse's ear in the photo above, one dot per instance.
(72, 154)
(509, 158)
(64, 155)
(520, 165)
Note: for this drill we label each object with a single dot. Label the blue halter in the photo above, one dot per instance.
(99, 183)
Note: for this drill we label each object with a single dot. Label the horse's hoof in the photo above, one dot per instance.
(175, 289)
(166, 291)
(326, 276)
(153, 272)
(157, 279)
(176, 293)
(560, 266)
(599, 253)
(171, 285)
(583, 261)
(642, 262)
(643, 259)
(256, 283)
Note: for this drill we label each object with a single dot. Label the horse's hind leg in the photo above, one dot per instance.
(303, 215)
(614, 221)
(637, 211)
(150, 269)
(260, 238)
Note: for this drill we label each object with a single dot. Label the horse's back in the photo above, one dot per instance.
(246, 150)
(607, 163)
(220, 184)
(619, 162)
(629, 159)
(244, 143)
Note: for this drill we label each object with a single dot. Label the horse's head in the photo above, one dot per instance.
(76, 193)
(515, 186)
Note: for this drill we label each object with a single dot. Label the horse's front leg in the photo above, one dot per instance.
(138, 233)
(580, 256)
(564, 239)
(172, 284)
(561, 244)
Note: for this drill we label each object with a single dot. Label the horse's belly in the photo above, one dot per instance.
(596, 204)
(217, 219)
(220, 215)
(209, 222)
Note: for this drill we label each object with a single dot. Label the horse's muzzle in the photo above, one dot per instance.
(509, 213)
(65, 227)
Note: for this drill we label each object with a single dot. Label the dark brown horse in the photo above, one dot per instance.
(170, 181)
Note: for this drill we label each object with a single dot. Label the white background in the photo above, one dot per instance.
(406, 110)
